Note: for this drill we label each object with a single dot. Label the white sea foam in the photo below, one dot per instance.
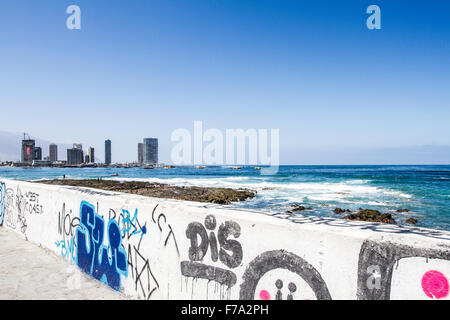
(344, 192)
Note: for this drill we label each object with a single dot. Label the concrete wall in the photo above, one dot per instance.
(166, 249)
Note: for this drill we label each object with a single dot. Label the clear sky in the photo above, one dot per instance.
(309, 68)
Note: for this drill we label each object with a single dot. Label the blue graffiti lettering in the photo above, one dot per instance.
(129, 223)
(67, 249)
(104, 263)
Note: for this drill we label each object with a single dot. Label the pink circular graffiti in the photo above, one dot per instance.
(435, 284)
(264, 295)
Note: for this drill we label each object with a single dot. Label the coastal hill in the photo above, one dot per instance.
(10, 146)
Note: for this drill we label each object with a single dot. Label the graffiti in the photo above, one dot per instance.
(67, 249)
(67, 224)
(21, 203)
(435, 284)
(2, 201)
(374, 279)
(32, 205)
(230, 253)
(15, 205)
(139, 265)
(279, 295)
(28, 203)
(104, 263)
(281, 259)
(386, 255)
(165, 229)
(141, 272)
(10, 215)
(132, 223)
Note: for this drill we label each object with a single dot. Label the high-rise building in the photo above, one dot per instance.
(150, 151)
(140, 152)
(74, 156)
(108, 151)
(53, 152)
(28, 150)
(37, 153)
(91, 155)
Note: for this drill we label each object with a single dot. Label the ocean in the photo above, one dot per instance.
(424, 190)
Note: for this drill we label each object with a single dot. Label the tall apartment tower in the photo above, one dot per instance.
(140, 152)
(53, 152)
(108, 151)
(74, 156)
(28, 151)
(37, 154)
(150, 151)
(91, 155)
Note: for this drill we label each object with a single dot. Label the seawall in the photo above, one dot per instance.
(152, 248)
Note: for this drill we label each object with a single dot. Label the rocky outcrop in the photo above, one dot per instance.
(371, 216)
(339, 210)
(411, 221)
(296, 207)
(403, 210)
(159, 190)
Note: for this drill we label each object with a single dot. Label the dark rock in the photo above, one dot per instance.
(297, 207)
(411, 221)
(403, 210)
(371, 216)
(339, 210)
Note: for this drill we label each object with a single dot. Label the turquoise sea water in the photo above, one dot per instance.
(425, 190)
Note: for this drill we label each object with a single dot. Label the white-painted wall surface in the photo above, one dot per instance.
(152, 248)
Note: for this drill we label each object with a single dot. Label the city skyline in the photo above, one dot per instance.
(411, 154)
(76, 154)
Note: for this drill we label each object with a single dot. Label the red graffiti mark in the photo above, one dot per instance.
(435, 284)
(264, 295)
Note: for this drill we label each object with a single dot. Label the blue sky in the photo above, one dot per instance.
(311, 69)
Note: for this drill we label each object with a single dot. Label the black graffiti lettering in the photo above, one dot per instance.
(202, 271)
(281, 259)
(279, 285)
(385, 256)
(197, 251)
(112, 215)
(171, 234)
(67, 224)
(213, 244)
(201, 241)
(141, 272)
(226, 229)
(210, 224)
(10, 214)
(153, 213)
